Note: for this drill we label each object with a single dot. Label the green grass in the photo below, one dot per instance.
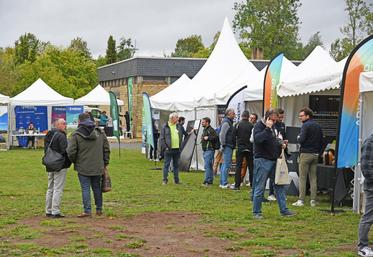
(137, 189)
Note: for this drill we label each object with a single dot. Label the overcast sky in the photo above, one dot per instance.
(156, 25)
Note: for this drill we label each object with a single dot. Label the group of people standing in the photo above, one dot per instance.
(88, 149)
(258, 143)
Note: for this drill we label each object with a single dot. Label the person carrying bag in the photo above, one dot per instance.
(282, 171)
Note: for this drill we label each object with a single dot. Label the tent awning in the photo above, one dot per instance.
(4, 99)
(39, 93)
(98, 96)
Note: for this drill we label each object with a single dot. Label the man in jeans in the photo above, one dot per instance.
(310, 140)
(208, 142)
(227, 144)
(170, 141)
(57, 141)
(243, 131)
(89, 150)
(267, 148)
(367, 219)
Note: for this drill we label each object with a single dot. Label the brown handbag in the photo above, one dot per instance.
(105, 181)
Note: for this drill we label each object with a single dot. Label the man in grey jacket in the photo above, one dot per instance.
(227, 144)
(367, 219)
(89, 150)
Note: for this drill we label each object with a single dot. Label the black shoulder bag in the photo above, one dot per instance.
(53, 160)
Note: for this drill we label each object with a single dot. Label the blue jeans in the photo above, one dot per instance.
(208, 157)
(86, 182)
(264, 169)
(227, 161)
(174, 155)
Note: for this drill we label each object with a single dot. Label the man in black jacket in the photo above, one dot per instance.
(209, 143)
(267, 148)
(310, 140)
(170, 141)
(243, 131)
(57, 141)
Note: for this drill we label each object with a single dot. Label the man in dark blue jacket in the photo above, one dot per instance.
(310, 140)
(227, 144)
(267, 148)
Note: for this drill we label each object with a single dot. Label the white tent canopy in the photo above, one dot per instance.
(316, 73)
(39, 93)
(98, 96)
(225, 71)
(164, 99)
(4, 99)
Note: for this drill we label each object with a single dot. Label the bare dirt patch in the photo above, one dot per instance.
(148, 234)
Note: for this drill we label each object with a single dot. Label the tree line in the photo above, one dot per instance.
(272, 25)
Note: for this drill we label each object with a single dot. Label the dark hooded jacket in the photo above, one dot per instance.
(59, 144)
(89, 149)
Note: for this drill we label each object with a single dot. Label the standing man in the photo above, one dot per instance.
(170, 141)
(57, 141)
(103, 119)
(30, 130)
(281, 134)
(153, 151)
(227, 144)
(310, 140)
(89, 150)
(267, 148)
(181, 122)
(253, 118)
(367, 219)
(243, 131)
(208, 142)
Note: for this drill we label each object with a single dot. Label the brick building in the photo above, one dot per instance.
(150, 75)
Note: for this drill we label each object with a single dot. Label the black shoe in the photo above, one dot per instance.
(57, 216)
(236, 188)
(49, 215)
(265, 200)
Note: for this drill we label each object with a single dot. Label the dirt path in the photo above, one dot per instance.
(149, 234)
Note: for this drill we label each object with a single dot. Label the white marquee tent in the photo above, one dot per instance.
(164, 99)
(97, 96)
(4, 99)
(40, 94)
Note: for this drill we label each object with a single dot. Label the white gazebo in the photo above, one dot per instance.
(98, 96)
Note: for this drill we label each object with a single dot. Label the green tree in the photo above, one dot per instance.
(111, 52)
(187, 47)
(79, 45)
(8, 73)
(272, 25)
(205, 52)
(100, 61)
(65, 70)
(27, 47)
(313, 41)
(125, 49)
(359, 25)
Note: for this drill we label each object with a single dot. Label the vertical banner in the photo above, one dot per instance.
(360, 60)
(271, 81)
(72, 115)
(4, 118)
(147, 120)
(130, 101)
(58, 112)
(237, 102)
(114, 113)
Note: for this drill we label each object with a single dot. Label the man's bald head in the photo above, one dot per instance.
(60, 124)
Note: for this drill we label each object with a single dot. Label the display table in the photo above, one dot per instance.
(37, 136)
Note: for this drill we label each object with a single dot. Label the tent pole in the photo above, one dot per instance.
(195, 143)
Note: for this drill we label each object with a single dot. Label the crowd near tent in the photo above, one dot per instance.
(98, 96)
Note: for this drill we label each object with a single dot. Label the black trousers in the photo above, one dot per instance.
(240, 155)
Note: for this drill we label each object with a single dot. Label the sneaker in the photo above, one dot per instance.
(236, 188)
(313, 203)
(365, 251)
(49, 215)
(258, 216)
(271, 198)
(164, 182)
(224, 187)
(288, 214)
(298, 203)
(58, 215)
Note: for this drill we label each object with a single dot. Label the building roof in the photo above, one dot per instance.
(158, 67)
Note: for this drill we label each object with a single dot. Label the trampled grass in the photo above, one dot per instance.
(137, 189)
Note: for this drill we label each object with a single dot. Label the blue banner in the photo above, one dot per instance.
(3, 118)
(35, 114)
(72, 115)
